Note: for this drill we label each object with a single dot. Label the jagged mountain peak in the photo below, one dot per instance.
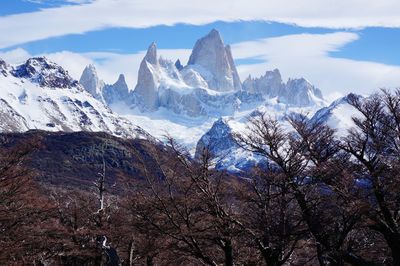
(40, 94)
(151, 54)
(121, 85)
(121, 80)
(214, 62)
(146, 90)
(44, 72)
(90, 70)
(302, 91)
(217, 138)
(214, 35)
(117, 92)
(91, 82)
(207, 46)
(270, 84)
(178, 65)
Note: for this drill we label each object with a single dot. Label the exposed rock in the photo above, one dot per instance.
(117, 92)
(270, 84)
(91, 82)
(146, 89)
(213, 61)
(178, 65)
(300, 92)
(217, 140)
(45, 73)
(3, 68)
(237, 84)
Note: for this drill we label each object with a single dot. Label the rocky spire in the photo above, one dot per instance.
(270, 84)
(91, 82)
(121, 83)
(118, 92)
(178, 65)
(236, 80)
(146, 89)
(151, 55)
(214, 63)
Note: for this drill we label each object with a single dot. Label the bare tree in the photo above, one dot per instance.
(187, 204)
(307, 158)
(374, 144)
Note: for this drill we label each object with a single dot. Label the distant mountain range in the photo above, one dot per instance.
(199, 103)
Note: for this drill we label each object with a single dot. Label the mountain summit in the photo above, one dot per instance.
(209, 85)
(213, 60)
(146, 89)
(91, 82)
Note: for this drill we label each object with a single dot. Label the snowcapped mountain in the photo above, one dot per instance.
(208, 86)
(214, 62)
(185, 100)
(200, 104)
(338, 114)
(297, 92)
(219, 142)
(219, 139)
(40, 94)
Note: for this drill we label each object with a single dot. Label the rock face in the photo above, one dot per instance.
(213, 61)
(3, 67)
(91, 82)
(209, 85)
(217, 140)
(297, 92)
(178, 65)
(117, 92)
(45, 73)
(146, 89)
(270, 84)
(226, 154)
(300, 92)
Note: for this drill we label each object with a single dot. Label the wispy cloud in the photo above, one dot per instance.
(100, 14)
(309, 56)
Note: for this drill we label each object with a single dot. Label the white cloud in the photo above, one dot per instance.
(15, 56)
(300, 55)
(101, 14)
(307, 55)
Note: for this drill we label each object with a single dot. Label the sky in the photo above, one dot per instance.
(340, 46)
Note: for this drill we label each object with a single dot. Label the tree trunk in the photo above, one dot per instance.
(149, 261)
(393, 241)
(131, 246)
(228, 253)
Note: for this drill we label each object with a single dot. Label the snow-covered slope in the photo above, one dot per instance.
(41, 95)
(219, 141)
(338, 114)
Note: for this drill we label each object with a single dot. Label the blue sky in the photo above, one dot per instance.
(341, 49)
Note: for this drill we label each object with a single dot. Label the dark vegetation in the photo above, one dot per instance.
(75, 198)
